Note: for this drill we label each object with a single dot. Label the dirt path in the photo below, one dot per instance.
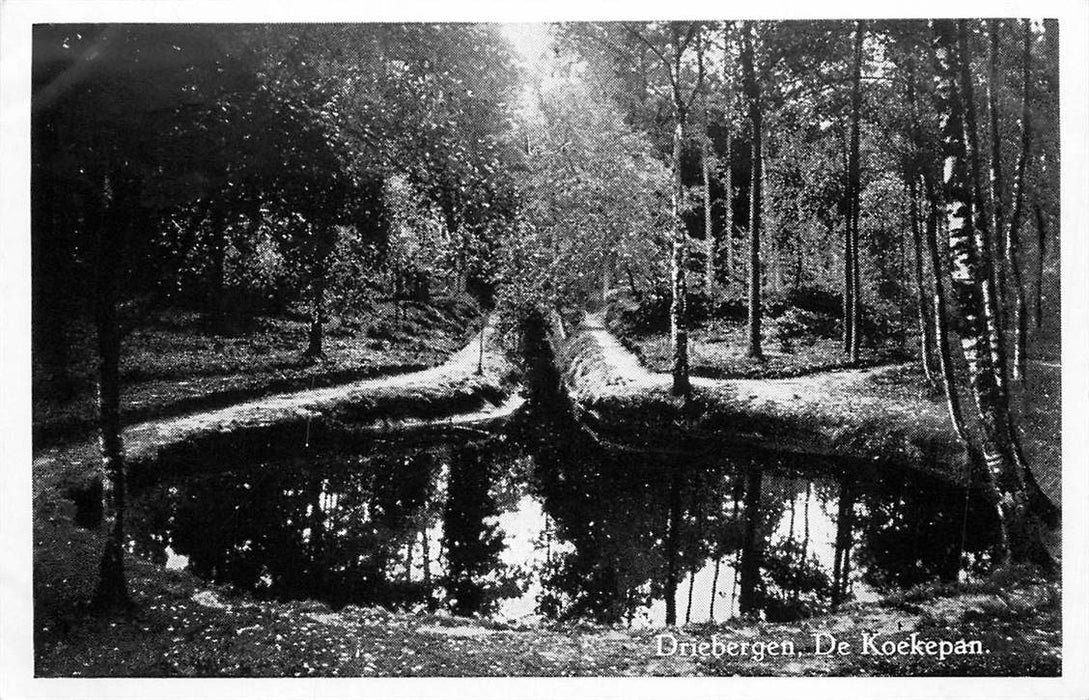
(876, 413)
(840, 387)
(410, 400)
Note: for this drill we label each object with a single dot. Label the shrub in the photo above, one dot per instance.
(815, 300)
(795, 325)
(626, 315)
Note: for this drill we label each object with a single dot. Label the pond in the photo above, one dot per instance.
(534, 521)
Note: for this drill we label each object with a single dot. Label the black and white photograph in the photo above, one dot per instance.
(703, 345)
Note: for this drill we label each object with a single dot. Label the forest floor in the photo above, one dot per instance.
(177, 364)
(718, 351)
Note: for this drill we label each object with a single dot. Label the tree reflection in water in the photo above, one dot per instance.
(534, 520)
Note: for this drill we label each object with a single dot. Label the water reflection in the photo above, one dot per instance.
(522, 525)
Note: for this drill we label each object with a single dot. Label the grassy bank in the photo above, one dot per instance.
(878, 416)
(887, 414)
(718, 351)
(176, 363)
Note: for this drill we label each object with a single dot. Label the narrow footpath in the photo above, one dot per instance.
(870, 414)
(452, 392)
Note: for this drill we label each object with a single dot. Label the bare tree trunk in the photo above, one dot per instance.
(752, 93)
(728, 170)
(854, 191)
(728, 226)
(998, 219)
(1041, 251)
(111, 590)
(980, 226)
(218, 225)
(1012, 240)
(714, 588)
(1024, 526)
(941, 322)
(926, 335)
(708, 231)
(317, 311)
(678, 309)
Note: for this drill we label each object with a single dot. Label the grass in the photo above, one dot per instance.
(719, 351)
(176, 364)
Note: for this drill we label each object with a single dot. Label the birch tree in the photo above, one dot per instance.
(1011, 485)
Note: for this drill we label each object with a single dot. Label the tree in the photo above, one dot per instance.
(670, 50)
(851, 286)
(1023, 513)
(1011, 248)
(121, 117)
(593, 201)
(751, 87)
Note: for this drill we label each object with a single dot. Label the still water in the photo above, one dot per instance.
(530, 522)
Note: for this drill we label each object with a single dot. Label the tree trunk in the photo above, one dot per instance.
(218, 225)
(926, 335)
(678, 308)
(111, 590)
(708, 231)
(1013, 234)
(998, 218)
(979, 227)
(1023, 523)
(752, 94)
(941, 322)
(728, 225)
(714, 588)
(317, 312)
(854, 188)
(1041, 250)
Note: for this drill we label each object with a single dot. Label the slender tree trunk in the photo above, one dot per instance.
(1023, 523)
(751, 554)
(926, 335)
(998, 218)
(728, 170)
(678, 310)
(848, 281)
(854, 190)
(1013, 234)
(979, 227)
(714, 588)
(111, 590)
(728, 225)
(1041, 251)
(941, 322)
(752, 94)
(708, 230)
(218, 226)
(317, 312)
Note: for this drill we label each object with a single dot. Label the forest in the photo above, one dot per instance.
(427, 221)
